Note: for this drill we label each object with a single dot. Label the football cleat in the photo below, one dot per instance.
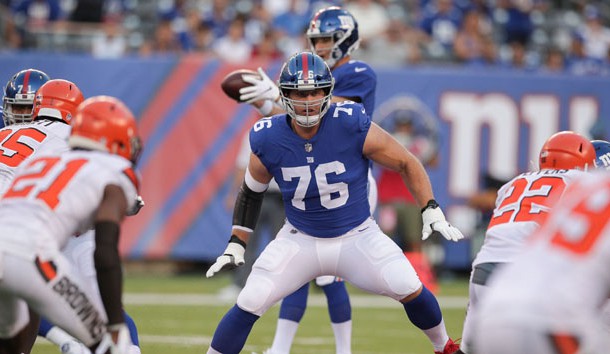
(451, 347)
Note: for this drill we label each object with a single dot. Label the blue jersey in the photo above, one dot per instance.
(356, 79)
(323, 180)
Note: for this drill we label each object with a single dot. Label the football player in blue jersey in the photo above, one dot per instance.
(19, 95)
(333, 35)
(319, 154)
(602, 154)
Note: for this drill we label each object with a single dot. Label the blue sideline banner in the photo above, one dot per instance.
(487, 121)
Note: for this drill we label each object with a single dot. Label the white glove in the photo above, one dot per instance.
(137, 206)
(434, 220)
(260, 89)
(73, 347)
(232, 257)
(122, 345)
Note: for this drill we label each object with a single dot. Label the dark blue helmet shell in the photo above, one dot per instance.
(602, 154)
(305, 71)
(21, 90)
(341, 26)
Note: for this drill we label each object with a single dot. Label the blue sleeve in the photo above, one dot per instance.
(357, 124)
(44, 327)
(356, 80)
(359, 85)
(257, 139)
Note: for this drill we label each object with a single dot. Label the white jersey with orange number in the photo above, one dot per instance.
(20, 141)
(521, 205)
(562, 274)
(56, 196)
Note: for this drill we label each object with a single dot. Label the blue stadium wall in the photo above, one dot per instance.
(489, 121)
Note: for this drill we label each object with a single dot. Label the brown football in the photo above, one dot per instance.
(233, 82)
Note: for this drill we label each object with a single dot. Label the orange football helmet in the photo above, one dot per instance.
(565, 151)
(104, 123)
(57, 99)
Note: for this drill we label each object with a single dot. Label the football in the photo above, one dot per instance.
(233, 82)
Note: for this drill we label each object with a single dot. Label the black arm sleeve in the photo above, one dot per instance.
(108, 268)
(247, 207)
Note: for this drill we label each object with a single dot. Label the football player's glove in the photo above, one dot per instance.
(115, 341)
(434, 220)
(136, 208)
(74, 347)
(232, 257)
(260, 89)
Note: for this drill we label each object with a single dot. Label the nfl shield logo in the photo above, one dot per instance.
(308, 147)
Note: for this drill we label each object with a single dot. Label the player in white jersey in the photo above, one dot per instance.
(562, 277)
(520, 206)
(55, 104)
(38, 122)
(53, 197)
(602, 162)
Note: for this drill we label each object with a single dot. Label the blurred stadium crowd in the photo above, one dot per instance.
(532, 35)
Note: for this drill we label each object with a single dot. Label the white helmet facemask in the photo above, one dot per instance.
(313, 110)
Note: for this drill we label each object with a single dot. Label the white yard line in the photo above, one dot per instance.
(316, 300)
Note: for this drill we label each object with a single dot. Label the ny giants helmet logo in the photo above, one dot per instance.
(605, 160)
(347, 22)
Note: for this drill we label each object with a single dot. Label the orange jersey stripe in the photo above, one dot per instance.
(565, 343)
(133, 177)
(47, 269)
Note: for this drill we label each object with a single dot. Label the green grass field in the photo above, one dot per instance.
(178, 314)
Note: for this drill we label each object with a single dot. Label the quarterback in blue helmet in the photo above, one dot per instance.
(602, 154)
(339, 29)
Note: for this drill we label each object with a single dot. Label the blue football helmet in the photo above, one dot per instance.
(339, 25)
(602, 154)
(19, 95)
(306, 72)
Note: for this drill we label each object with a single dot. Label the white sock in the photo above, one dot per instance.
(134, 349)
(438, 336)
(284, 335)
(58, 336)
(343, 337)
